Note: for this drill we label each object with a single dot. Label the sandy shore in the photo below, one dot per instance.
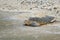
(14, 12)
(12, 28)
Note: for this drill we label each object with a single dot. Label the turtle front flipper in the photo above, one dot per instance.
(27, 22)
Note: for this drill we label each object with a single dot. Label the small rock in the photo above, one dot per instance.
(55, 8)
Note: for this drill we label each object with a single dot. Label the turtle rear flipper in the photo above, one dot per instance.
(53, 21)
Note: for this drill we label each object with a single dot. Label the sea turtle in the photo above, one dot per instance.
(37, 21)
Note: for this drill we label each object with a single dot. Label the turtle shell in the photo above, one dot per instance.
(46, 19)
(37, 21)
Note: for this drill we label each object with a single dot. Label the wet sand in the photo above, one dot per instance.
(13, 29)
